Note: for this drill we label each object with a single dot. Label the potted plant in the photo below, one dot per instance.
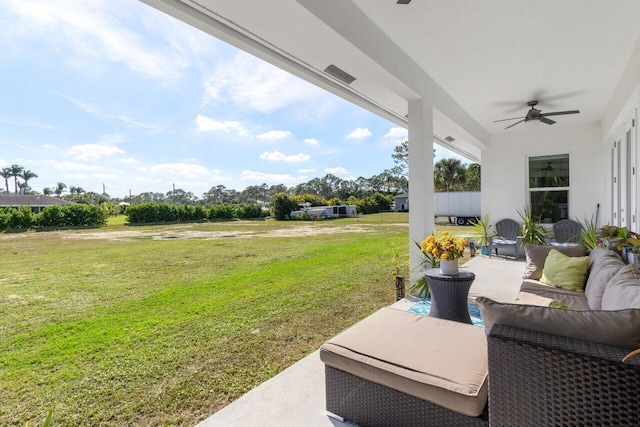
(532, 231)
(613, 237)
(589, 234)
(481, 233)
(442, 251)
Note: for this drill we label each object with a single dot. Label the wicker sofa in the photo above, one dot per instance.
(545, 366)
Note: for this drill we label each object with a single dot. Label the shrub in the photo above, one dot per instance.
(249, 211)
(282, 204)
(22, 217)
(52, 216)
(4, 218)
(224, 211)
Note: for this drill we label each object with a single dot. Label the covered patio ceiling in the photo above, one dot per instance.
(481, 60)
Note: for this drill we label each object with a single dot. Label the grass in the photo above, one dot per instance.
(140, 326)
(148, 329)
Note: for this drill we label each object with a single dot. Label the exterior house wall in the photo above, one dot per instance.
(624, 102)
(504, 169)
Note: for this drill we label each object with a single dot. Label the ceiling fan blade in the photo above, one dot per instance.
(547, 121)
(510, 126)
(504, 120)
(559, 113)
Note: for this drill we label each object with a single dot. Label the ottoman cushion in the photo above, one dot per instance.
(436, 360)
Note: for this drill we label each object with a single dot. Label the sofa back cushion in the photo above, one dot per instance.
(536, 256)
(565, 272)
(619, 328)
(603, 265)
(623, 290)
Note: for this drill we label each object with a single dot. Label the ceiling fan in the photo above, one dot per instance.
(537, 115)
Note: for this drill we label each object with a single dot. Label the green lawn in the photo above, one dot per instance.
(140, 326)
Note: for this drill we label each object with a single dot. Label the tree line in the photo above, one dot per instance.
(449, 175)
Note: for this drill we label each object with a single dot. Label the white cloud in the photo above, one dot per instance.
(99, 30)
(95, 111)
(397, 135)
(269, 178)
(184, 169)
(104, 175)
(337, 171)
(49, 146)
(78, 176)
(279, 157)
(311, 141)
(71, 166)
(207, 124)
(128, 160)
(306, 170)
(2, 162)
(250, 82)
(94, 151)
(274, 135)
(360, 133)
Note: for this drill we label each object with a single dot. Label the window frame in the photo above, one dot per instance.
(531, 190)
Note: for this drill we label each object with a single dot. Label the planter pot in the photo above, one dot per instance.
(634, 259)
(484, 250)
(449, 267)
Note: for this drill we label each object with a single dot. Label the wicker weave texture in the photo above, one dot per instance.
(370, 404)
(539, 379)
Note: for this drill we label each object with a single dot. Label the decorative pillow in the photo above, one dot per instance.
(623, 290)
(603, 265)
(619, 328)
(565, 272)
(536, 256)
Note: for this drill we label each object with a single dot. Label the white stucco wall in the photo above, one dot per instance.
(504, 169)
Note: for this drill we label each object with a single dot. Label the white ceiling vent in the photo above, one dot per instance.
(339, 74)
(449, 139)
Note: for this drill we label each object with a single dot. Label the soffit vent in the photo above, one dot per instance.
(449, 139)
(339, 74)
(403, 2)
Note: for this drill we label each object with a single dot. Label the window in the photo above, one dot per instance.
(549, 187)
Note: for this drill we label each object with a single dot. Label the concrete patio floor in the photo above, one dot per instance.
(296, 396)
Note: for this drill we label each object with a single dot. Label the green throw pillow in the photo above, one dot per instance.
(565, 272)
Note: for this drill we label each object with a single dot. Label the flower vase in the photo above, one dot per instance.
(449, 267)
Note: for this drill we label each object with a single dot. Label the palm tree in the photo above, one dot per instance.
(59, 189)
(448, 174)
(26, 175)
(15, 172)
(47, 191)
(6, 174)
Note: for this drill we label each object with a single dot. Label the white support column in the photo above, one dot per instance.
(421, 220)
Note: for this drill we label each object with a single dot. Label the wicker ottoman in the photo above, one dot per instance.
(400, 368)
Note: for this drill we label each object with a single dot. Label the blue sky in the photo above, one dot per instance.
(117, 93)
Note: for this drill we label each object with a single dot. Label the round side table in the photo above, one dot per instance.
(449, 295)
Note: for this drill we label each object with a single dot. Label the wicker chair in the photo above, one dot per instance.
(506, 236)
(567, 231)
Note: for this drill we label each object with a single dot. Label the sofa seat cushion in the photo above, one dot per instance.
(603, 265)
(436, 360)
(623, 290)
(620, 328)
(537, 255)
(533, 292)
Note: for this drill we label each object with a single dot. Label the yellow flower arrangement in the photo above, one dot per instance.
(443, 247)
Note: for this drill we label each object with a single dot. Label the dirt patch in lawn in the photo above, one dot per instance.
(188, 234)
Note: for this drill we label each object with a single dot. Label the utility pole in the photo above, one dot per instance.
(130, 197)
(174, 193)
